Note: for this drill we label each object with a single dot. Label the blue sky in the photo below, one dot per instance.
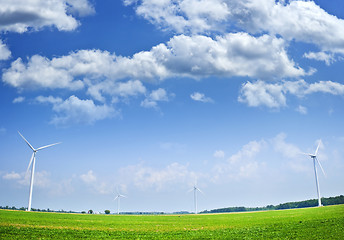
(150, 97)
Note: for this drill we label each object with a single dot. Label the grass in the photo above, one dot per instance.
(311, 223)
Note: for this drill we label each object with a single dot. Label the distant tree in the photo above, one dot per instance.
(107, 211)
(90, 211)
(83, 212)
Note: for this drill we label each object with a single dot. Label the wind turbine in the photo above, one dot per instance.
(118, 197)
(315, 158)
(32, 163)
(195, 189)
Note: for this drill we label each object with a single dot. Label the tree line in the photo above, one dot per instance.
(301, 204)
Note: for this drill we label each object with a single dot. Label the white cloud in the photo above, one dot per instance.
(242, 164)
(102, 74)
(301, 109)
(18, 99)
(328, 58)
(286, 149)
(261, 93)
(234, 54)
(219, 154)
(39, 72)
(201, 97)
(75, 110)
(300, 20)
(42, 179)
(237, 54)
(88, 177)
(329, 87)
(22, 15)
(193, 16)
(130, 88)
(154, 97)
(248, 151)
(250, 161)
(11, 176)
(273, 95)
(146, 177)
(5, 53)
(81, 7)
(296, 160)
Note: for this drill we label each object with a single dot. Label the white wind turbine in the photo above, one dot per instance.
(195, 189)
(118, 198)
(33, 162)
(315, 158)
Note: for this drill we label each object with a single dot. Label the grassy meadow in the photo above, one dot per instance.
(310, 223)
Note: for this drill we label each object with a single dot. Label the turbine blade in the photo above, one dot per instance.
(122, 196)
(116, 197)
(27, 142)
(321, 167)
(316, 151)
(27, 170)
(47, 146)
(199, 190)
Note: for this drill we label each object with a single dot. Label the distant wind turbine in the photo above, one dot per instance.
(195, 189)
(315, 158)
(33, 162)
(118, 198)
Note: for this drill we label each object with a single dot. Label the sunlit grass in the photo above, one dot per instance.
(310, 223)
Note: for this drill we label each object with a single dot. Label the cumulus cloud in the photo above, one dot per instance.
(105, 75)
(219, 154)
(249, 161)
(241, 164)
(18, 99)
(299, 20)
(5, 53)
(301, 109)
(201, 97)
(154, 97)
(193, 16)
(75, 110)
(273, 95)
(296, 161)
(287, 149)
(234, 54)
(80, 7)
(88, 177)
(328, 58)
(11, 176)
(42, 178)
(22, 15)
(237, 54)
(39, 72)
(145, 177)
(261, 93)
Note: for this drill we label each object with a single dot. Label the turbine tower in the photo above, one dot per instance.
(195, 189)
(33, 163)
(315, 159)
(118, 197)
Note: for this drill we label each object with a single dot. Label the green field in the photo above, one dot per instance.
(311, 223)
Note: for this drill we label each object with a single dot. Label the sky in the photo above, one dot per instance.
(152, 97)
